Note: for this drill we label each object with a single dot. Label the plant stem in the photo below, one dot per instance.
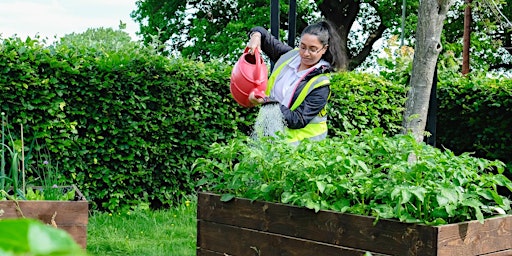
(22, 161)
(2, 167)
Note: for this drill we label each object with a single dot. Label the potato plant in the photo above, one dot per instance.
(365, 173)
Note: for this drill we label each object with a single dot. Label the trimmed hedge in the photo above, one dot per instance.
(475, 115)
(364, 101)
(124, 125)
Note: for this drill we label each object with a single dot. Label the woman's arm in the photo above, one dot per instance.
(270, 45)
(309, 109)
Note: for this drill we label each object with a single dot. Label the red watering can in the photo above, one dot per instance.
(250, 74)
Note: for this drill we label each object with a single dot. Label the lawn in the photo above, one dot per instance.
(144, 232)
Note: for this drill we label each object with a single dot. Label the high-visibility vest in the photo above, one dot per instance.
(316, 129)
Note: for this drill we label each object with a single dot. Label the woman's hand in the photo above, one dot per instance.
(255, 101)
(261, 100)
(254, 42)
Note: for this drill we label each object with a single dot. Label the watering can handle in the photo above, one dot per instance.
(259, 80)
(257, 58)
(259, 94)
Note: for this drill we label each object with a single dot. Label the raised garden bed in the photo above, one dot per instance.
(71, 216)
(242, 227)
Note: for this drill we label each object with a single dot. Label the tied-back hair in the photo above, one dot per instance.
(328, 35)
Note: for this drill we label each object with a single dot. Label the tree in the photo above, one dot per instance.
(104, 38)
(431, 16)
(207, 29)
(489, 33)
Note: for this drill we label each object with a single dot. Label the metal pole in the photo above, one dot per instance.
(432, 113)
(292, 18)
(274, 18)
(274, 22)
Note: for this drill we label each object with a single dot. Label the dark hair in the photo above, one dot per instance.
(328, 35)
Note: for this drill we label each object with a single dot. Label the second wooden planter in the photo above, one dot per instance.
(242, 227)
(71, 216)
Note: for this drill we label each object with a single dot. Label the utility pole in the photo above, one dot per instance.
(466, 37)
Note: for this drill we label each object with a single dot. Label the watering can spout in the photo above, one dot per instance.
(250, 74)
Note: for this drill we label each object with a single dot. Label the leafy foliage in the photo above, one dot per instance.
(124, 122)
(483, 106)
(207, 30)
(363, 101)
(25, 164)
(489, 33)
(364, 173)
(32, 237)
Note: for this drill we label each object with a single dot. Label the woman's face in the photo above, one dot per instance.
(311, 50)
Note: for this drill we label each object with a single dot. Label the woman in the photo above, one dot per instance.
(299, 80)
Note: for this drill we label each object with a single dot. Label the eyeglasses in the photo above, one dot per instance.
(311, 50)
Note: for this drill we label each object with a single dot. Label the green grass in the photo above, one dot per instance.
(144, 232)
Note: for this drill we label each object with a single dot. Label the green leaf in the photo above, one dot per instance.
(310, 204)
(287, 197)
(321, 186)
(442, 200)
(32, 237)
(419, 192)
(226, 197)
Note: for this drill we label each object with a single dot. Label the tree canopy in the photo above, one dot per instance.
(207, 29)
(218, 29)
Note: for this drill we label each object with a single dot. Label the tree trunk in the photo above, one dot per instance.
(431, 16)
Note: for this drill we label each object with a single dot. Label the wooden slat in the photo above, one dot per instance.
(346, 230)
(233, 240)
(494, 237)
(71, 216)
(499, 253)
(474, 238)
(67, 212)
(204, 252)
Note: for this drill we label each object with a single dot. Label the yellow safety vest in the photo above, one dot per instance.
(316, 129)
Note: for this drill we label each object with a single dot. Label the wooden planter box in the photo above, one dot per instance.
(71, 216)
(242, 227)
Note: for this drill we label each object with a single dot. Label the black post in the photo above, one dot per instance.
(292, 19)
(274, 22)
(432, 113)
(274, 18)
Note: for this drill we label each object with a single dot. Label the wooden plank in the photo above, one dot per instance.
(500, 253)
(71, 216)
(231, 240)
(66, 212)
(78, 233)
(204, 252)
(346, 230)
(474, 238)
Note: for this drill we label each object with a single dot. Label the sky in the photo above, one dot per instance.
(56, 18)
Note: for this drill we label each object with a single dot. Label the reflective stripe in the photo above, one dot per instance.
(312, 131)
(323, 80)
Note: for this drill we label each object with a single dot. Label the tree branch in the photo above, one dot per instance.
(368, 46)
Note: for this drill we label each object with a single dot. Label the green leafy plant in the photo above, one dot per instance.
(32, 237)
(44, 181)
(364, 173)
(11, 179)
